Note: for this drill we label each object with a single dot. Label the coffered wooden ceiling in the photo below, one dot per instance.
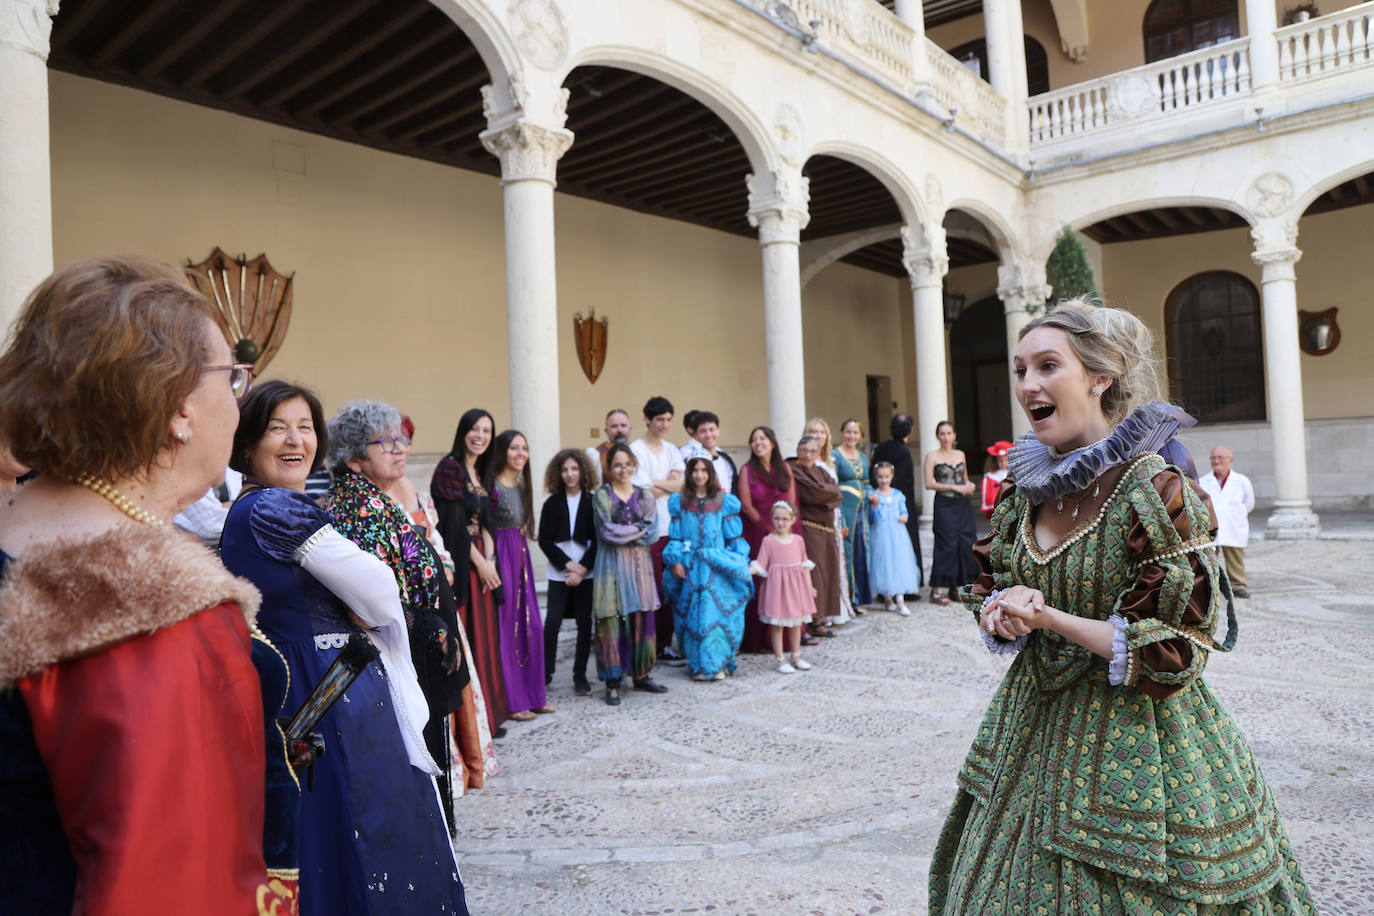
(399, 76)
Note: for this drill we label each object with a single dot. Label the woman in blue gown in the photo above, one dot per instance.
(706, 571)
(372, 833)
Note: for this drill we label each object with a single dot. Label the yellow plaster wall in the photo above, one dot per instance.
(400, 270)
(1140, 275)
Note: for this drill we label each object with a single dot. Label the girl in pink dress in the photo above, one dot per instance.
(787, 599)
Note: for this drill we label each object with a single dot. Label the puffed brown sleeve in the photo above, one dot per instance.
(1171, 608)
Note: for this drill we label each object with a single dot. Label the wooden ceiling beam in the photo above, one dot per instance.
(374, 75)
(242, 41)
(610, 93)
(1362, 186)
(595, 166)
(399, 89)
(69, 22)
(630, 129)
(300, 47)
(646, 181)
(214, 17)
(1137, 220)
(602, 109)
(1194, 215)
(132, 30)
(687, 195)
(344, 56)
(1164, 216)
(467, 125)
(403, 112)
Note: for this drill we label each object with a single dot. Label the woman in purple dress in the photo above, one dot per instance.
(522, 629)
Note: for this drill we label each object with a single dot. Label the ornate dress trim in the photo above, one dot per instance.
(1042, 557)
(331, 640)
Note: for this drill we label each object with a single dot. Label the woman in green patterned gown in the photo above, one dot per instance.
(1106, 777)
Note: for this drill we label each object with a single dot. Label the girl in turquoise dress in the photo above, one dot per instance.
(706, 572)
(1106, 776)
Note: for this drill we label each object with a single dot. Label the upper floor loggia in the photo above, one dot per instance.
(1057, 81)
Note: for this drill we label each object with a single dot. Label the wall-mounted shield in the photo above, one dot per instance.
(1318, 332)
(590, 335)
(252, 302)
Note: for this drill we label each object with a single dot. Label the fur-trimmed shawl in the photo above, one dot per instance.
(74, 598)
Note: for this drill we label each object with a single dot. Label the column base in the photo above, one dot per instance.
(1292, 520)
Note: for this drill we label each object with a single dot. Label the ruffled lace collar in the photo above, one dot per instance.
(1042, 473)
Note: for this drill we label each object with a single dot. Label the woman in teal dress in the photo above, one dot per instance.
(706, 572)
(1106, 776)
(851, 467)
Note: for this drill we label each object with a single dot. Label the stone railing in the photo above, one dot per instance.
(864, 31)
(1188, 81)
(973, 103)
(1328, 44)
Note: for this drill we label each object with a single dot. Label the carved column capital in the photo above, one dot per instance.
(924, 256)
(27, 25)
(1022, 287)
(1276, 249)
(528, 146)
(778, 205)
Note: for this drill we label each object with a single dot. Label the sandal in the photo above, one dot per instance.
(545, 710)
(523, 715)
(809, 640)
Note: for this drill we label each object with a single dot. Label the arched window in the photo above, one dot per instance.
(1175, 27)
(1215, 349)
(1037, 63)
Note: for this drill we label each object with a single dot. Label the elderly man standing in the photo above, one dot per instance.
(617, 429)
(1232, 499)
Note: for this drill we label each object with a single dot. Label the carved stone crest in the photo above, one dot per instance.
(541, 32)
(590, 336)
(856, 22)
(1131, 96)
(1270, 195)
(787, 127)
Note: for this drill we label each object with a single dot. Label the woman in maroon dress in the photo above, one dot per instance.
(764, 479)
(464, 522)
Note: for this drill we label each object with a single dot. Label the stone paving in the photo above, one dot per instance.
(823, 792)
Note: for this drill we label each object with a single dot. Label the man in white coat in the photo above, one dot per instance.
(1232, 499)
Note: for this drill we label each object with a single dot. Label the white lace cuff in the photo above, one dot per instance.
(996, 644)
(1121, 655)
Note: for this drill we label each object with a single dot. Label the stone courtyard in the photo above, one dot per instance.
(823, 792)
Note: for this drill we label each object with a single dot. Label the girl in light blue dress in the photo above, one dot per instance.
(892, 569)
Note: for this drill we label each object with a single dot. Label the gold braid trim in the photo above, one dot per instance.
(828, 529)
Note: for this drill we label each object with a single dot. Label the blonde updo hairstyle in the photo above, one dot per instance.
(1108, 341)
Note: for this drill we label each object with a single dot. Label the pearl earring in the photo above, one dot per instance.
(1097, 391)
(183, 438)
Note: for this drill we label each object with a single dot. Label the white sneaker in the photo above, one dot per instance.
(700, 677)
(720, 675)
(904, 611)
(801, 664)
(785, 668)
(890, 606)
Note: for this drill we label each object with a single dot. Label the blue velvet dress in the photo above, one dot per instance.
(707, 538)
(892, 566)
(372, 835)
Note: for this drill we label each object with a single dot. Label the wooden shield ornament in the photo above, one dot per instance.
(1318, 332)
(590, 335)
(252, 303)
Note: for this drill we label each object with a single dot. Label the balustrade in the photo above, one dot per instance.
(1327, 44)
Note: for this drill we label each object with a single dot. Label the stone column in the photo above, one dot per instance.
(927, 262)
(25, 174)
(778, 208)
(911, 13)
(1276, 253)
(1007, 63)
(1261, 21)
(1022, 288)
(529, 150)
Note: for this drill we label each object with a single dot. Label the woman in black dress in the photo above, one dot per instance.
(946, 473)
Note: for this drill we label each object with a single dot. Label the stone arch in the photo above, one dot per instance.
(487, 34)
(996, 224)
(1308, 197)
(751, 131)
(1079, 223)
(913, 207)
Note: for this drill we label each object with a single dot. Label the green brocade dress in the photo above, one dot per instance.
(1080, 796)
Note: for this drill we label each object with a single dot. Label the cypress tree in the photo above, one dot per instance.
(1067, 269)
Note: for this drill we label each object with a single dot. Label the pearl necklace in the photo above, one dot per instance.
(120, 501)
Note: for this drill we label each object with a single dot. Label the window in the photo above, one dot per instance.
(1174, 27)
(1215, 349)
(1037, 64)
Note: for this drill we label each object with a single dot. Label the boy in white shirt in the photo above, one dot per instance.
(660, 470)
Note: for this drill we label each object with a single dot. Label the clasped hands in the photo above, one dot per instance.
(1016, 612)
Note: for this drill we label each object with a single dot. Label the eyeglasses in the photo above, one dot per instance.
(392, 444)
(622, 468)
(240, 377)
